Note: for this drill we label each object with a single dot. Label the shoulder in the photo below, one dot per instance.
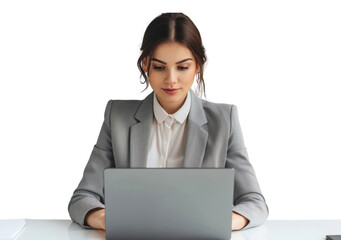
(125, 108)
(123, 104)
(119, 104)
(219, 110)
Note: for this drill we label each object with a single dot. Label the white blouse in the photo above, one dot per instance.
(168, 136)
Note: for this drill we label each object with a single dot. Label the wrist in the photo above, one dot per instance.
(238, 221)
(95, 218)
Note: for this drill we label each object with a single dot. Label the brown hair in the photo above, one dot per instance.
(173, 27)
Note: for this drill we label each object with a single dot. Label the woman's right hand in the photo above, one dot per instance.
(96, 218)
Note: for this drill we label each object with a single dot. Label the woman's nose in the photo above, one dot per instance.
(171, 77)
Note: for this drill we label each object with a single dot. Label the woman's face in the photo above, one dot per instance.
(171, 74)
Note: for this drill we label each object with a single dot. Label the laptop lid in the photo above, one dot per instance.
(168, 203)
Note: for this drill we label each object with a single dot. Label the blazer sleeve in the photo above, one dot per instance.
(90, 192)
(248, 199)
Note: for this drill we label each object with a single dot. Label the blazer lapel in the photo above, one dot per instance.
(197, 135)
(140, 133)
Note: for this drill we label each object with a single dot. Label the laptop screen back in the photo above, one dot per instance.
(168, 203)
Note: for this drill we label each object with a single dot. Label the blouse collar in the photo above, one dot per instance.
(180, 116)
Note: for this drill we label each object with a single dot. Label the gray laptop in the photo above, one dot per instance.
(168, 203)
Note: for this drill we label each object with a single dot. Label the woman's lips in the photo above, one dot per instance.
(170, 91)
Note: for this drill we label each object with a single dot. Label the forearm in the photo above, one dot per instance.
(81, 203)
(253, 207)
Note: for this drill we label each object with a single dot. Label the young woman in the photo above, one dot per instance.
(172, 127)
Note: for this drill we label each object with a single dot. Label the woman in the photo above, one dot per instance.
(171, 127)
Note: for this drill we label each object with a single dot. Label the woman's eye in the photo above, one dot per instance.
(158, 68)
(161, 68)
(182, 68)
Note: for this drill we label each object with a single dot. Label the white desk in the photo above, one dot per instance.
(271, 230)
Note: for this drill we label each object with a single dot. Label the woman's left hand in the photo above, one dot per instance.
(238, 221)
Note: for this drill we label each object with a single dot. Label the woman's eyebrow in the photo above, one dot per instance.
(184, 60)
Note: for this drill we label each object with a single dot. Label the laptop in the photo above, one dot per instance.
(168, 203)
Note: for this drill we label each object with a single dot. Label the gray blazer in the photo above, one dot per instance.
(214, 140)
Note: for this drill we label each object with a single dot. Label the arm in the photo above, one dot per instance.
(238, 221)
(89, 195)
(248, 200)
(95, 218)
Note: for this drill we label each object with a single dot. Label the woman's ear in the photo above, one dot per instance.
(144, 65)
(198, 69)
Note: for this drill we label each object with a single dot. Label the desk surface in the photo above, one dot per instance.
(271, 230)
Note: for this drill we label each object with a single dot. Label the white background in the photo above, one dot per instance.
(279, 62)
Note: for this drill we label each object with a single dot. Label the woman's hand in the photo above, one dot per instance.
(96, 218)
(238, 221)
